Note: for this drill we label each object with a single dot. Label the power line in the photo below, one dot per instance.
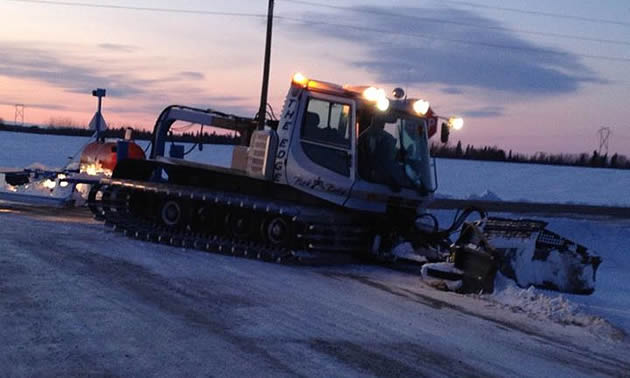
(311, 22)
(538, 13)
(142, 9)
(459, 23)
(459, 41)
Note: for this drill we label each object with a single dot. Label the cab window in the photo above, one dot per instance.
(326, 135)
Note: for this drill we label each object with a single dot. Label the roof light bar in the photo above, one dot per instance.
(300, 79)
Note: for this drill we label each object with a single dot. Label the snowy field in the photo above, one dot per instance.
(457, 178)
(20, 150)
(77, 300)
(533, 182)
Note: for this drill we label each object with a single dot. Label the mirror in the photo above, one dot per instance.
(445, 132)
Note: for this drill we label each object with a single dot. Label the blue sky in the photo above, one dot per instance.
(467, 57)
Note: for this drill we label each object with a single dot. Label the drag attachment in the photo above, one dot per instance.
(523, 250)
(532, 255)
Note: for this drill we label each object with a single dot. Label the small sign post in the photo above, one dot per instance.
(98, 123)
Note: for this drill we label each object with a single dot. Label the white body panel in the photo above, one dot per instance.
(373, 197)
(312, 178)
(286, 126)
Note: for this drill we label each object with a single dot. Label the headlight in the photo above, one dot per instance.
(371, 94)
(456, 123)
(421, 107)
(382, 104)
(377, 95)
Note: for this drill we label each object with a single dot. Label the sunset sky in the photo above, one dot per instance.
(523, 76)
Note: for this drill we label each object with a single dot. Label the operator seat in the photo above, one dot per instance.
(377, 157)
(311, 126)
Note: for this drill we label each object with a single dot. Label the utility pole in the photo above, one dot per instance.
(604, 135)
(19, 115)
(262, 112)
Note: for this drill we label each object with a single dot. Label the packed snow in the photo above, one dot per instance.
(78, 300)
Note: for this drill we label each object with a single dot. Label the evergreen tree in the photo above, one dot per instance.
(613, 161)
(594, 159)
(458, 150)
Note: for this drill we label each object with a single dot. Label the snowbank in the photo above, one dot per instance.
(539, 305)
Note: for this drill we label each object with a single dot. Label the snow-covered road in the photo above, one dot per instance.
(78, 300)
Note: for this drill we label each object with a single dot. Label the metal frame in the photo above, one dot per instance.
(208, 117)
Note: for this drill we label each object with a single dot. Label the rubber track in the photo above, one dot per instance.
(323, 236)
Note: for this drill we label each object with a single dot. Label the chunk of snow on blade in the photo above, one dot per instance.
(407, 252)
(485, 196)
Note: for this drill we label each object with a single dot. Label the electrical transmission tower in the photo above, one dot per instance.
(604, 135)
(19, 114)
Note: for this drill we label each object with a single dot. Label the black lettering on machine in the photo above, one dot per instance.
(284, 135)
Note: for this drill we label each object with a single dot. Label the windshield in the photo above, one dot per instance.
(413, 151)
(396, 153)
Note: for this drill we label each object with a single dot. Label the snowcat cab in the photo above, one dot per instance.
(354, 147)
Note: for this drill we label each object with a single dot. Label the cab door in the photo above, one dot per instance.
(322, 161)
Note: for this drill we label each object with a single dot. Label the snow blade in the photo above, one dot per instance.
(523, 250)
(532, 255)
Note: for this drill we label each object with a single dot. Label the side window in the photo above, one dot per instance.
(327, 122)
(326, 135)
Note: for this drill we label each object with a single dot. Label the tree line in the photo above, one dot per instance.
(119, 133)
(494, 153)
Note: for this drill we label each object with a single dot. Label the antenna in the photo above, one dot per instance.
(19, 115)
(604, 134)
(407, 81)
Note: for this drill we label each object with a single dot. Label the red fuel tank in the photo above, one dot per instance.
(98, 158)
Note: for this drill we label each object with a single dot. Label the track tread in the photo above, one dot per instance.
(315, 243)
